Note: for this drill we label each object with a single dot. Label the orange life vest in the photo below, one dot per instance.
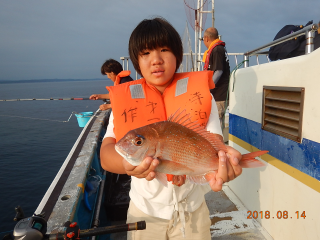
(121, 75)
(206, 65)
(136, 103)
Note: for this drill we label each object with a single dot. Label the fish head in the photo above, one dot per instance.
(135, 147)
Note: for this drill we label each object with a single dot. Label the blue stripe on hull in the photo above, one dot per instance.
(303, 156)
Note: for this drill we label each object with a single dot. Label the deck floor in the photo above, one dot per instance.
(228, 217)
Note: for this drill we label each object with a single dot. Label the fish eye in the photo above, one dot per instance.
(138, 141)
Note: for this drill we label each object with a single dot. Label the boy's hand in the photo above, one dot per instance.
(228, 170)
(234, 169)
(144, 170)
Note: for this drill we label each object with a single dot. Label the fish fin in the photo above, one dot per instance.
(162, 177)
(201, 179)
(183, 119)
(248, 160)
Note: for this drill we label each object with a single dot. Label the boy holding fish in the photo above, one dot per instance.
(177, 210)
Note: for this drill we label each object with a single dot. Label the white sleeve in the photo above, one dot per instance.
(109, 132)
(213, 124)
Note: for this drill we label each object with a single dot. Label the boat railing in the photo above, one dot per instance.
(308, 31)
(188, 58)
(187, 63)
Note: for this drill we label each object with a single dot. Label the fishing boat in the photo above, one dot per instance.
(272, 107)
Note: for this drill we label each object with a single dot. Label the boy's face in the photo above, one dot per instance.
(111, 75)
(157, 67)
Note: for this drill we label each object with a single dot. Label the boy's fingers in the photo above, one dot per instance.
(214, 181)
(234, 169)
(150, 176)
(223, 167)
(148, 164)
(231, 173)
(237, 168)
(142, 171)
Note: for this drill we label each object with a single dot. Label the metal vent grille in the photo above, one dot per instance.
(282, 111)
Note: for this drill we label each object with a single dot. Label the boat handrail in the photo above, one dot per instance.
(125, 61)
(309, 31)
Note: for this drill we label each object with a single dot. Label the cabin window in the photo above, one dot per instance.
(282, 111)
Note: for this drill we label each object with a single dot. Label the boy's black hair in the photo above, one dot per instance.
(111, 65)
(153, 33)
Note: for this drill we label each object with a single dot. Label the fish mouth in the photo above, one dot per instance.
(126, 156)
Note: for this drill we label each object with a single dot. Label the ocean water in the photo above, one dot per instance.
(34, 140)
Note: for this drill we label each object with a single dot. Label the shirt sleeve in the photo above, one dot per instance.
(213, 124)
(109, 132)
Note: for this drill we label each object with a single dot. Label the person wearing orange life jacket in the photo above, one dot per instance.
(216, 59)
(113, 70)
(152, 99)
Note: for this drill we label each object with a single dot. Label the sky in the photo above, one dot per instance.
(59, 39)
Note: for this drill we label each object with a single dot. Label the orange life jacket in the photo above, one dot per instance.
(206, 65)
(121, 75)
(136, 103)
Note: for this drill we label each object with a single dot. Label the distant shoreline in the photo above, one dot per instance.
(49, 80)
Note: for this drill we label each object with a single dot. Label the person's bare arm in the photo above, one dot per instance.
(110, 160)
(99, 96)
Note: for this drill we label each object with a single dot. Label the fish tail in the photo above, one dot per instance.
(248, 160)
(162, 178)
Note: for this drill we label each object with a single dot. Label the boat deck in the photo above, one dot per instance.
(228, 218)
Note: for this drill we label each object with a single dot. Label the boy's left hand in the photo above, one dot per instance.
(228, 170)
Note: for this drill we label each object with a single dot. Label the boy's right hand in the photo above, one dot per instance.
(144, 170)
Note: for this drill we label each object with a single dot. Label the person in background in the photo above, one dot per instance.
(113, 70)
(178, 210)
(216, 59)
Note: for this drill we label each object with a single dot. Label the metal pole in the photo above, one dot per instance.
(213, 13)
(309, 43)
(122, 58)
(246, 63)
(200, 34)
(101, 189)
(195, 41)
